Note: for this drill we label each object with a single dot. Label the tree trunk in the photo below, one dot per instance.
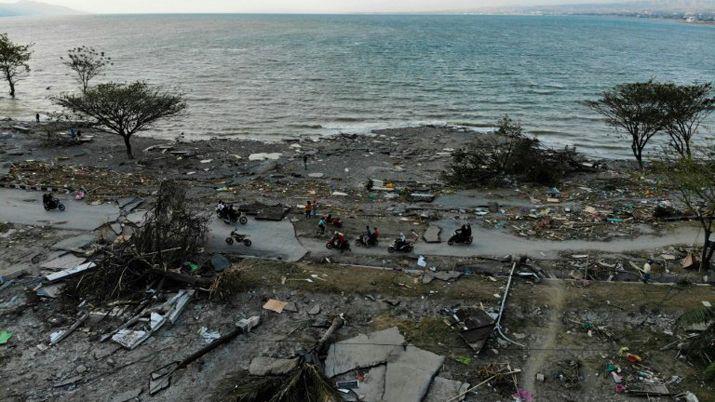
(707, 253)
(688, 153)
(12, 87)
(128, 144)
(638, 153)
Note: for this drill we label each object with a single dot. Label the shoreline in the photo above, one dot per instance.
(572, 275)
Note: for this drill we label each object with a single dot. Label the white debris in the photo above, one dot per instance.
(264, 156)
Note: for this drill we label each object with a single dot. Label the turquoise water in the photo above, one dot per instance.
(276, 76)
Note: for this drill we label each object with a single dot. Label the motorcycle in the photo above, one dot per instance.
(460, 239)
(230, 216)
(401, 247)
(336, 243)
(334, 221)
(50, 203)
(366, 241)
(238, 238)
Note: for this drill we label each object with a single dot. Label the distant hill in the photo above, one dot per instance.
(33, 8)
(638, 6)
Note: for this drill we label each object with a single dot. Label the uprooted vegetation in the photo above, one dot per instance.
(511, 155)
(172, 233)
(699, 348)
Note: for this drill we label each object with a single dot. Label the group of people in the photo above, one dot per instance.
(226, 211)
(311, 208)
(370, 237)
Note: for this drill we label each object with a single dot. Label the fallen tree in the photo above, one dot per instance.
(171, 233)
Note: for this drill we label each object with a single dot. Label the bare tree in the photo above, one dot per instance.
(86, 63)
(123, 109)
(685, 109)
(634, 108)
(14, 60)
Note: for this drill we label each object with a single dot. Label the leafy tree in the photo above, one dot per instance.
(694, 183)
(634, 108)
(14, 60)
(86, 63)
(507, 155)
(685, 107)
(123, 109)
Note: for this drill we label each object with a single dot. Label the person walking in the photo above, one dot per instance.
(305, 162)
(321, 225)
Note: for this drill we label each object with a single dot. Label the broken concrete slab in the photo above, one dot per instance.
(421, 197)
(447, 275)
(432, 233)
(127, 395)
(156, 385)
(75, 243)
(261, 366)
(372, 386)
(291, 307)
(65, 261)
(408, 377)
(51, 291)
(315, 310)
(137, 217)
(443, 389)
(363, 351)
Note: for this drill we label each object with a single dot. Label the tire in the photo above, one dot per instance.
(390, 249)
(450, 242)
(45, 206)
(229, 240)
(243, 220)
(329, 246)
(469, 241)
(247, 242)
(409, 249)
(61, 207)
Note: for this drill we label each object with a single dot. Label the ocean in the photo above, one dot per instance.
(272, 77)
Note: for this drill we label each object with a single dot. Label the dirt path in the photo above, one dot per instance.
(546, 341)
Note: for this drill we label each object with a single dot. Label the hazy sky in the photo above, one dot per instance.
(305, 6)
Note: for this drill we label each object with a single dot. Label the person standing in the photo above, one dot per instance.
(305, 162)
(308, 209)
(647, 267)
(314, 212)
(37, 117)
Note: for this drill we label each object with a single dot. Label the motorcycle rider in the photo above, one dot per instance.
(48, 200)
(401, 241)
(464, 232)
(220, 207)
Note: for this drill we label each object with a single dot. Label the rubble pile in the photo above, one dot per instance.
(99, 184)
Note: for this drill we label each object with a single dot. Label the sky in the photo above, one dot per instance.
(292, 6)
